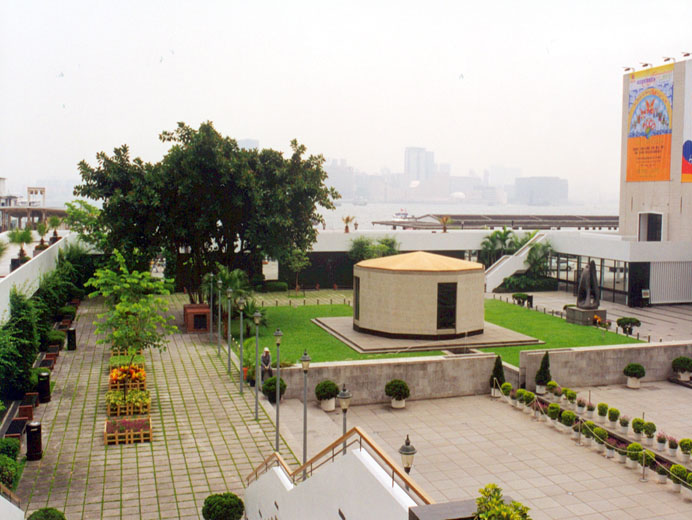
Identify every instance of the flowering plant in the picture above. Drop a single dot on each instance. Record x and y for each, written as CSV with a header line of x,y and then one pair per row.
x,y
125,372
123,425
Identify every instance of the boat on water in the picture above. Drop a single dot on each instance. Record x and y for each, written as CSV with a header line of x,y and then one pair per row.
x,y
403,215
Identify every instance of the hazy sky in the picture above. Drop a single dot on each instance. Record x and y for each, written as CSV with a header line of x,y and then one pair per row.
x,y
533,85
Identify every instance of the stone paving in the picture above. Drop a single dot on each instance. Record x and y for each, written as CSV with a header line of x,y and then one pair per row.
x,y
205,437
467,442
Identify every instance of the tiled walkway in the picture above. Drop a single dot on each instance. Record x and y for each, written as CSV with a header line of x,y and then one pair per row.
x,y
205,437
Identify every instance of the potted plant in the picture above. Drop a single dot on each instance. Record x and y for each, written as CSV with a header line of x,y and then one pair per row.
x,y
621,451
326,392
661,441
661,474
688,488
223,506
529,399
269,389
610,444
543,375
685,449
600,435
613,416
41,229
678,475
54,223
634,372
624,424
506,388
19,237
633,451
682,366
520,398
568,418
672,446
553,413
497,378
541,412
590,407
581,405
587,431
398,391
513,398
627,324
649,431
571,396
550,389
638,428
602,412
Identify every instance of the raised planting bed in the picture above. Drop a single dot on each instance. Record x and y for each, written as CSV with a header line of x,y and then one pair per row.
x,y
47,363
124,352
124,362
136,402
54,350
127,431
16,428
130,385
130,378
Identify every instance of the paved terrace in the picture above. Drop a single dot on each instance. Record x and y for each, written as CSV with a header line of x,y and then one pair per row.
x,y
205,437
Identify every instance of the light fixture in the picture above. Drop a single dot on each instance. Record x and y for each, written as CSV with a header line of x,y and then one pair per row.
x,y
240,303
666,59
305,361
407,452
257,317
277,335
344,398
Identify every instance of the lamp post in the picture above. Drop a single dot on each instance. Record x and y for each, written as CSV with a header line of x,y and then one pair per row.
x,y
344,398
407,451
211,307
229,295
277,335
219,283
257,317
241,306
305,361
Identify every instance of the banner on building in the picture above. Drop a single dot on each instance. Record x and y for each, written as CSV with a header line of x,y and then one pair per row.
x,y
649,125
687,126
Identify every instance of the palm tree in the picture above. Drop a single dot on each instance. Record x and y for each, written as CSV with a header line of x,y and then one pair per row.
x,y
347,220
54,223
20,237
538,260
42,229
445,221
251,308
237,280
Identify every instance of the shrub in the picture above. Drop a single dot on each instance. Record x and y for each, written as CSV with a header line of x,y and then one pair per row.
x,y
520,394
491,504
274,287
649,429
682,364
529,398
397,389
634,370
638,425
8,469
325,390
624,420
602,409
551,385
67,311
613,414
56,337
520,297
498,373
9,447
571,395
522,282
689,478
661,469
269,389
47,513
589,428
506,388
590,406
661,437
568,418
672,442
600,435
553,410
678,473
633,451
647,458
223,506
581,403
685,445
627,324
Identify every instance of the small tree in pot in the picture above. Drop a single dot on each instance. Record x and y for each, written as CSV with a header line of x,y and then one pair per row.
x,y
223,506
634,372
269,389
682,366
543,375
326,392
398,390
497,379
628,324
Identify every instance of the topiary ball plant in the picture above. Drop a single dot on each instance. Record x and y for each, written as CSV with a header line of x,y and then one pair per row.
x,y
47,513
326,389
678,473
506,388
634,370
223,506
397,389
269,389
633,451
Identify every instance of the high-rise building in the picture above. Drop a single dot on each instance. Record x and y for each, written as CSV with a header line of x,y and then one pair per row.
x,y
419,163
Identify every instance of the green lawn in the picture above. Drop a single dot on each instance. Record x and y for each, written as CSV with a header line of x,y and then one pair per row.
x,y
300,333
555,332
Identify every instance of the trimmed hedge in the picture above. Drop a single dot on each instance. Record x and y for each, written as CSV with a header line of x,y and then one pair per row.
x,y
269,389
274,287
8,470
223,506
324,390
47,513
397,389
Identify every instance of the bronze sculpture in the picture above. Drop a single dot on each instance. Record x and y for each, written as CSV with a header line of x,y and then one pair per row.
x,y
587,294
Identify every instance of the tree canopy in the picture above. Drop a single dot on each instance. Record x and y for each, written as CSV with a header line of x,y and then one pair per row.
x,y
208,201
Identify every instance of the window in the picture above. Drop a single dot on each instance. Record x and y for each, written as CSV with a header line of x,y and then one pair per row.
x,y
446,305
356,297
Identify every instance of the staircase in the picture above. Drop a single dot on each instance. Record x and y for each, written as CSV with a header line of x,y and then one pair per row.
x,y
10,506
350,479
509,264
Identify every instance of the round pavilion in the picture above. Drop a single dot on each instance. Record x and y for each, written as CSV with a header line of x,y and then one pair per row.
x,y
418,295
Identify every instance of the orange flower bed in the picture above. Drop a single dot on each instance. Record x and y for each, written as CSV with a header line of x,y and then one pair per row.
x,y
127,377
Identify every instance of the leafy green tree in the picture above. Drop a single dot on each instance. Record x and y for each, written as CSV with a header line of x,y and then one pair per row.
x,y
86,220
15,373
297,261
54,223
363,248
538,260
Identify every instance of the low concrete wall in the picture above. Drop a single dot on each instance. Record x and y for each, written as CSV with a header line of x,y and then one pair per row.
x,y
589,366
427,377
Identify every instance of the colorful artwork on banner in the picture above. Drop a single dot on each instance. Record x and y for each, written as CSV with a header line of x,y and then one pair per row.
x,y
687,127
649,124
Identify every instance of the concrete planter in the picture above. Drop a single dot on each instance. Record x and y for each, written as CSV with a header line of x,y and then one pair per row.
x,y
685,457
540,389
612,424
587,441
495,392
661,446
661,479
624,429
673,452
630,464
581,409
328,405
610,453
649,441
676,487
684,376
589,414
601,419
633,382
637,437
398,403
622,458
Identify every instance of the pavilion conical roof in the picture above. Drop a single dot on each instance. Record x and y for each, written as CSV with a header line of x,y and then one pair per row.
x,y
420,261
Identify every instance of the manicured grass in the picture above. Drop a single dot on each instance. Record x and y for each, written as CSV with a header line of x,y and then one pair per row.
x,y
555,332
300,333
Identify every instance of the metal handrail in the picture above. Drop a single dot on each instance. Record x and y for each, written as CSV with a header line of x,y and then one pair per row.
x,y
329,454
9,495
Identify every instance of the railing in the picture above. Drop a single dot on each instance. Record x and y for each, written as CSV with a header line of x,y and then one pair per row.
x,y
513,263
355,436
9,495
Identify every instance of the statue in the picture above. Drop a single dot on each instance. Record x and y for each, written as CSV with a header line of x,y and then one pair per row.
x,y
587,294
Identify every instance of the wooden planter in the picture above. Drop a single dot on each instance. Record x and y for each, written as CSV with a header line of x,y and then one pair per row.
x,y
130,385
128,409
136,366
126,437
123,352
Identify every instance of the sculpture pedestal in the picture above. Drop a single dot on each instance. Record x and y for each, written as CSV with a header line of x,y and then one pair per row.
x,y
584,316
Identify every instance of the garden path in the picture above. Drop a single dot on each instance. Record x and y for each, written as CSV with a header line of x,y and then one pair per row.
x,y
205,437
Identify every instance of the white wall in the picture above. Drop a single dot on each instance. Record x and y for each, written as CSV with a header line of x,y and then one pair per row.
x,y
9,511
354,484
27,277
409,240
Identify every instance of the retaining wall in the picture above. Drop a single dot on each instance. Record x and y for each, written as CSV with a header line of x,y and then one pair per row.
x,y
592,366
428,377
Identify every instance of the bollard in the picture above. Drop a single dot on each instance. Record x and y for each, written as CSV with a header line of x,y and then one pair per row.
x,y
34,449
637,335
71,339
648,340
44,387
303,302
330,301
276,303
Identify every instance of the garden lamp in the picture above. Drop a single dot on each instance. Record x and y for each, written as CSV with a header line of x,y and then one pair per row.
x,y
229,295
407,452
305,362
257,317
344,398
277,335
241,306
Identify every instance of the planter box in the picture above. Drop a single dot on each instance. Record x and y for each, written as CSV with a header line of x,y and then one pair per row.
x,y
584,316
126,437
130,385
398,403
684,376
123,352
328,405
633,382
128,409
136,366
